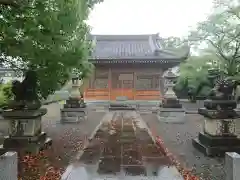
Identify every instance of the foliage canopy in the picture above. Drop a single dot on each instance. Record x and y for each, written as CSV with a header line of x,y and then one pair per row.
x,y
220,34
50,36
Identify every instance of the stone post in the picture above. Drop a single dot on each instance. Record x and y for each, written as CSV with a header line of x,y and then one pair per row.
x,y
232,166
75,108
171,110
9,166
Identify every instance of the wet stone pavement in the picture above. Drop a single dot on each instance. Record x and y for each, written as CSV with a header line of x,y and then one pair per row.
x,y
122,145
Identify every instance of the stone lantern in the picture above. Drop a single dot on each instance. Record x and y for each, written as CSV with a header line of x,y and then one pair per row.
x,y
76,84
170,99
171,110
75,109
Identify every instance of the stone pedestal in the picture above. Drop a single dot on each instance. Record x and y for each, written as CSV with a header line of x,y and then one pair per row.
x,y
218,132
171,115
73,115
171,111
74,103
25,134
73,111
170,102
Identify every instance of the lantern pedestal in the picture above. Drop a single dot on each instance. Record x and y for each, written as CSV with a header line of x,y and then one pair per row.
x,y
25,134
171,115
219,130
74,111
169,102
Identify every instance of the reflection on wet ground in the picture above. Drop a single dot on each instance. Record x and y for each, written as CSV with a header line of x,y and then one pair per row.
x,y
122,145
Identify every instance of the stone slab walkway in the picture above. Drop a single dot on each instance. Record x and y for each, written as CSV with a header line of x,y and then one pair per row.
x,y
122,148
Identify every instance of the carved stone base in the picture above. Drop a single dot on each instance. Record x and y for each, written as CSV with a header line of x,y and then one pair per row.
x,y
74,103
220,133
220,123
213,141
23,122
171,115
220,104
218,114
216,149
73,115
27,144
171,103
24,129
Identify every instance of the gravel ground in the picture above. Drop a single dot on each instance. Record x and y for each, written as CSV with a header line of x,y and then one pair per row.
x,y
178,139
68,139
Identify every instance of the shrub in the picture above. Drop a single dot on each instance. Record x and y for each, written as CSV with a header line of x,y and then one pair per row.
x,y
5,94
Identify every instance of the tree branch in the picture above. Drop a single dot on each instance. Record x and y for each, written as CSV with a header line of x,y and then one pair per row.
x,y
9,3
233,12
218,49
237,49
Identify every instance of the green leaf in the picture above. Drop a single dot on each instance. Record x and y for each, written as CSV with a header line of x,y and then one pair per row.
x,y
50,35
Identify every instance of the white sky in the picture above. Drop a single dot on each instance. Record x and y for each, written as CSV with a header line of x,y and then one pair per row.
x,y
168,17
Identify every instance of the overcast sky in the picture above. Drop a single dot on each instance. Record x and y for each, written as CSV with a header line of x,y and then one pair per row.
x,y
168,17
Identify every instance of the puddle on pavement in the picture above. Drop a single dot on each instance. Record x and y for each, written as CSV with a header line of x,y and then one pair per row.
x,y
122,146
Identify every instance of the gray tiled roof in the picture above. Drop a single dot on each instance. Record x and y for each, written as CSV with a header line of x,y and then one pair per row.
x,y
131,47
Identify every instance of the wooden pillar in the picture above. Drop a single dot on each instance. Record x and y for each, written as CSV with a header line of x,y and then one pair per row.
x,y
109,83
161,83
134,84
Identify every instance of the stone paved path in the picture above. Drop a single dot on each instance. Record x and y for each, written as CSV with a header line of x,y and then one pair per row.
x,y
122,146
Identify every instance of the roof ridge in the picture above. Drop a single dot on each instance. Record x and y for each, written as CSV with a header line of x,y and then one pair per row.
x,y
151,43
121,34
138,37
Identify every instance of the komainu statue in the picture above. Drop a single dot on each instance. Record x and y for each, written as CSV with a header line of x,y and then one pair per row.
x,y
25,92
222,96
223,90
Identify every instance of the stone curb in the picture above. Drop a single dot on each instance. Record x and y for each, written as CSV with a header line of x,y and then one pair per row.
x,y
50,102
191,112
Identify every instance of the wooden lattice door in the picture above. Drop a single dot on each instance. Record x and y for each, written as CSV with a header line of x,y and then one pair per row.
x,y
122,85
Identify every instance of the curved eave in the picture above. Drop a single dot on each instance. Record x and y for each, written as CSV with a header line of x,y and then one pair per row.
x,y
133,61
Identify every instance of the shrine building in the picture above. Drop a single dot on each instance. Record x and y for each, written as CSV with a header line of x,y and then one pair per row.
x,y
130,66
